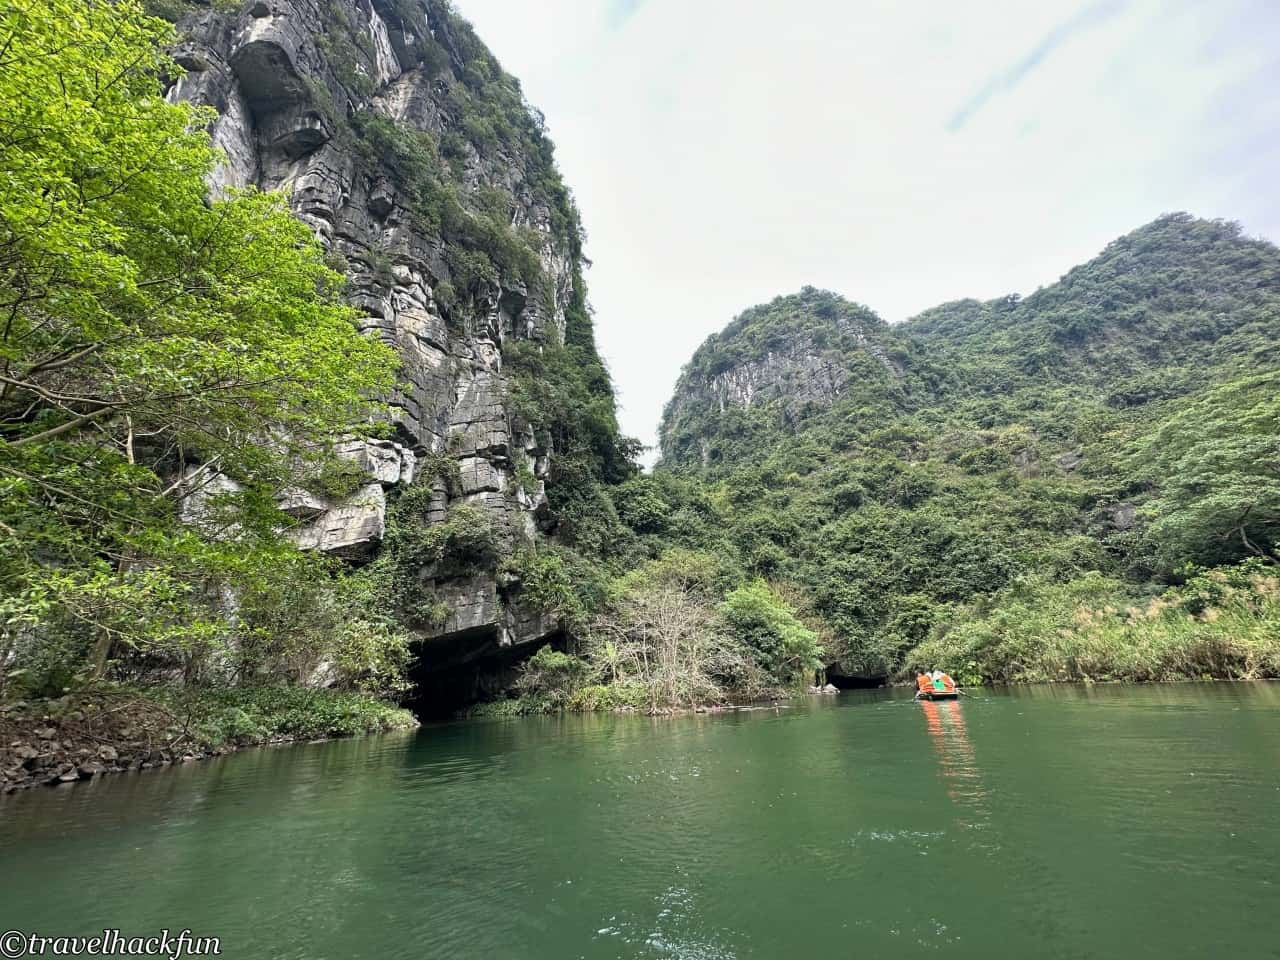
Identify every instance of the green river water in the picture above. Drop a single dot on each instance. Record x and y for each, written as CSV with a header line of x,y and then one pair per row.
x,y
1116,821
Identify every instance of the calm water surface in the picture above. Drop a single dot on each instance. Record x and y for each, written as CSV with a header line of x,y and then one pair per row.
x,y
1046,822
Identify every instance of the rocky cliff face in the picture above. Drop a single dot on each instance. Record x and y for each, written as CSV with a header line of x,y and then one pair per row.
x,y
417,163
777,364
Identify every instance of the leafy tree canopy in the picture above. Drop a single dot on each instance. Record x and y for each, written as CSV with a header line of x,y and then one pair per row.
x,y
151,340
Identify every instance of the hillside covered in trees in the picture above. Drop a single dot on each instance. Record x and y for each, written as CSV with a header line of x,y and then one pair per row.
x,y
1084,483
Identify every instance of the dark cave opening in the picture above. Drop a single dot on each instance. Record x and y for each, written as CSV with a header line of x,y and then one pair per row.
x,y
452,673
844,681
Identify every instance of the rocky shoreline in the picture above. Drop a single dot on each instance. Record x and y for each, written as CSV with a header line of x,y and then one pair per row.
x,y
84,736
43,746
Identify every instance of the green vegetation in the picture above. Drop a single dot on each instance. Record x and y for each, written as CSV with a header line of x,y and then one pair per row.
x,y
996,488
262,714
175,10
168,365
481,245
1224,623
414,547
1217,456
781,643
672,633
123,726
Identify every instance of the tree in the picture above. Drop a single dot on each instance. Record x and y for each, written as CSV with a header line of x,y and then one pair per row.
x,y
660,630
788,649
1218,466
153,343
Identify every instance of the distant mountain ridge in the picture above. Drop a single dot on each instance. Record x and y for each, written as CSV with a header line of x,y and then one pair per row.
x,y
1172,306
1103,437
1179,292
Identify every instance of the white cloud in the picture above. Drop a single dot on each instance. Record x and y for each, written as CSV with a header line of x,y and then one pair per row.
x,y
900,153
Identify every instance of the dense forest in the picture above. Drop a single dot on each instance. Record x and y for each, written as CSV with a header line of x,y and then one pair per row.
x,y
1083,484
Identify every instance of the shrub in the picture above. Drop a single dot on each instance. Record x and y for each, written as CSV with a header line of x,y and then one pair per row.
x,y
260,714
551,676
555,581
1223,623
608,696
784,646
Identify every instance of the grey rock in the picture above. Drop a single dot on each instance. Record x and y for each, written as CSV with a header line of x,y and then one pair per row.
x,y
1122,515
1069,461
472,601
383,460
198,497
352,529
27,754
481,475
800,373
302,504
271,80
382,199
298,134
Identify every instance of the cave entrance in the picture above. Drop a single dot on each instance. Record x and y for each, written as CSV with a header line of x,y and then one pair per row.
x,y
451,673
847,681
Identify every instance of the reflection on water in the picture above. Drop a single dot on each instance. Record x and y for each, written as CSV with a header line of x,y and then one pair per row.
x,y
1120,821
957,762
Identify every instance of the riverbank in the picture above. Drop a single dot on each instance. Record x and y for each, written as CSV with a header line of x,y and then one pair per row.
x,y
113,729
1220,624
623,698
590,700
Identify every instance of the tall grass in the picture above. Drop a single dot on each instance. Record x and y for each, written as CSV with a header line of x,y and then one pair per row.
x,y
1223,623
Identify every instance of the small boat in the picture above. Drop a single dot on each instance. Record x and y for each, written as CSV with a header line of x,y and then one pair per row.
x,y
936,686
938,694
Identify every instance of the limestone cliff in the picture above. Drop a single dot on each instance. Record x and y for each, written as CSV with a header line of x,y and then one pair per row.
x,y
772,367
430,182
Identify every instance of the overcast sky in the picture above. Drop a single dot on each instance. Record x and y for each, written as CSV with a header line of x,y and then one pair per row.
x,y
900,153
